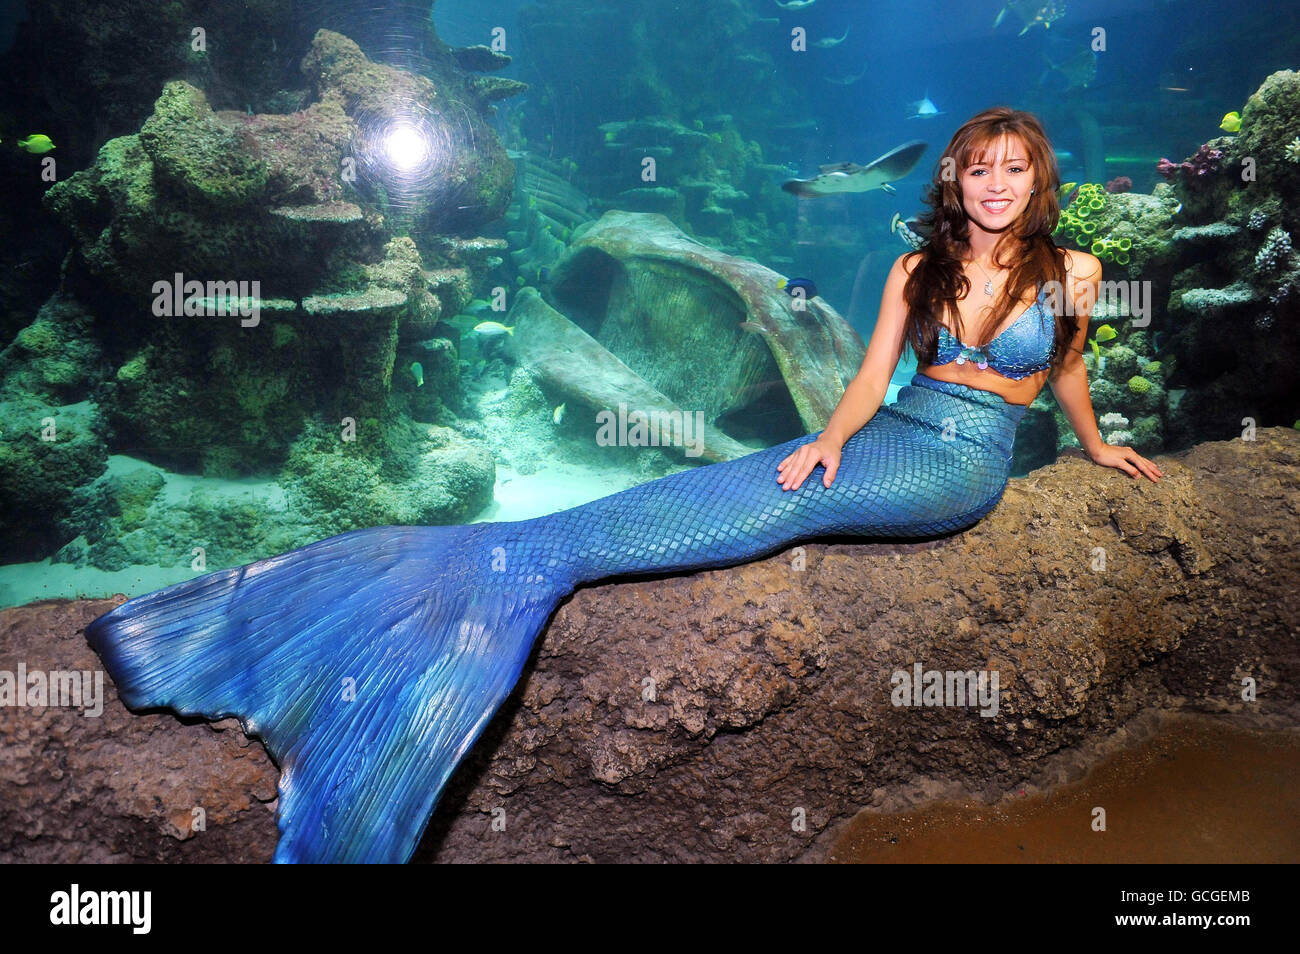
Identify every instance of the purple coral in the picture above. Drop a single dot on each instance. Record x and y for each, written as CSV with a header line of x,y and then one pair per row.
x,y
1207,161
1120,184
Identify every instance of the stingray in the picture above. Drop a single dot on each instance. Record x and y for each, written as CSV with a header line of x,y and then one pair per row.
x,y
851,177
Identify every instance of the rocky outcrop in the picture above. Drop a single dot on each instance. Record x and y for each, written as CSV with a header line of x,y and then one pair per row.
x,y
710,330
700,717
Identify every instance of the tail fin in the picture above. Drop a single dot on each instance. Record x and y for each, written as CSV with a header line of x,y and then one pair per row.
x,y
368,663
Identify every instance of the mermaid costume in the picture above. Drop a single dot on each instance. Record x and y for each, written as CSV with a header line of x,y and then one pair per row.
x,y
371,661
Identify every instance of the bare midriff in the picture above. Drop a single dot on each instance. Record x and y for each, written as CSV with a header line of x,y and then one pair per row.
x,y
1013,391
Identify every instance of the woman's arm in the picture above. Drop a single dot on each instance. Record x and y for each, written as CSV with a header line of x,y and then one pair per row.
x,y
1070,381
864,395
866,392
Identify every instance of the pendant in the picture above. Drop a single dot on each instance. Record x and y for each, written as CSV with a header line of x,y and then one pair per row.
x,y
988,287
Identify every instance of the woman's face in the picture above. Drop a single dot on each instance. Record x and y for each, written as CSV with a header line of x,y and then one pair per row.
x,y
994,192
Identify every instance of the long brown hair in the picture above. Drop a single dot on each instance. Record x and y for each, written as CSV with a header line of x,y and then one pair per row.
x,y
937,280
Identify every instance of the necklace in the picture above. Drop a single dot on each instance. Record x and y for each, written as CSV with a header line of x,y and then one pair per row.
x,y
988,285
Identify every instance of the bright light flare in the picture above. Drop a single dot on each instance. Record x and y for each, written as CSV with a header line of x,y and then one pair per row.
x,y
406,147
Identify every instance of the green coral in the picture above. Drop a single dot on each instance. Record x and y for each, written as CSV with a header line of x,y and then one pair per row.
x,y
1138,384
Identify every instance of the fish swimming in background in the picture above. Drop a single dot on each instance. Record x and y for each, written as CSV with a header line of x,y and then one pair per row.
x,y
1106,333
1078,70
791,286
827,42
491,329
850,177
906,230
1231,122
557,416
36,143
417,371
1066,193
923,108
846,80
1032,13
794,4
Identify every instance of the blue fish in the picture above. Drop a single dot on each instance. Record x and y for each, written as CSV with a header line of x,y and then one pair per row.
x,y
788,285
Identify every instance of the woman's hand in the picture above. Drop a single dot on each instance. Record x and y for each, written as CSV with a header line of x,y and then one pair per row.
x,y
1127,460
799,465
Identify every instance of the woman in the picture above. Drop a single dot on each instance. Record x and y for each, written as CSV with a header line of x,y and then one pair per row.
x,y
370,662
992,223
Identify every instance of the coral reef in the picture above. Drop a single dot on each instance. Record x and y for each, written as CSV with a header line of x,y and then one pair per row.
x,y
252,299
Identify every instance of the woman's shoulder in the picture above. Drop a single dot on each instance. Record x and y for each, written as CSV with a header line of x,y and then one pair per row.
x,y
1082,266
907,262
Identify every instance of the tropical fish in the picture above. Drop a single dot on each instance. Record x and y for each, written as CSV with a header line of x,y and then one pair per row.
x,y
478,306
558,415
1066,193
1106,333
795,4
791,285
905,229
827,42
36,143
1096,352
1032,13
490,329
1231,122
417,370
1078,70
850,177
924,108
846,80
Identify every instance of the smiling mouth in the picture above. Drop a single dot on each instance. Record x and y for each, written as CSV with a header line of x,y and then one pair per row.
x,y
996,205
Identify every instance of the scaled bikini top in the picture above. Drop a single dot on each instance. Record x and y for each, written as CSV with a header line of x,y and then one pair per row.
x,y
1023,348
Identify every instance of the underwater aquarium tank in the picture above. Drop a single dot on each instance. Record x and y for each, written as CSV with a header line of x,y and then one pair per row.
x,y
284,270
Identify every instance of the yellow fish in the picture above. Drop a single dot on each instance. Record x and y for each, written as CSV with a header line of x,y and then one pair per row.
x,y
492,328
1231,122
1106,333
36,143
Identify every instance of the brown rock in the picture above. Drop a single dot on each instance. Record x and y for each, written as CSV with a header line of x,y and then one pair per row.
x,y
700,717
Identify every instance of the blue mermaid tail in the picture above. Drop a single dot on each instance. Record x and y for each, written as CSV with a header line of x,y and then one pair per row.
x,y
370,662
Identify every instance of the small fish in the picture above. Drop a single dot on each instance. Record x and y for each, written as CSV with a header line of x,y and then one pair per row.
x,y
1032,13
490,329
36,143
1066,193
790,285
478,306
543,275
850,177
828,42
417,370
795,4
1096,352
558,415
1231,122
924,109
904,230
1106,333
